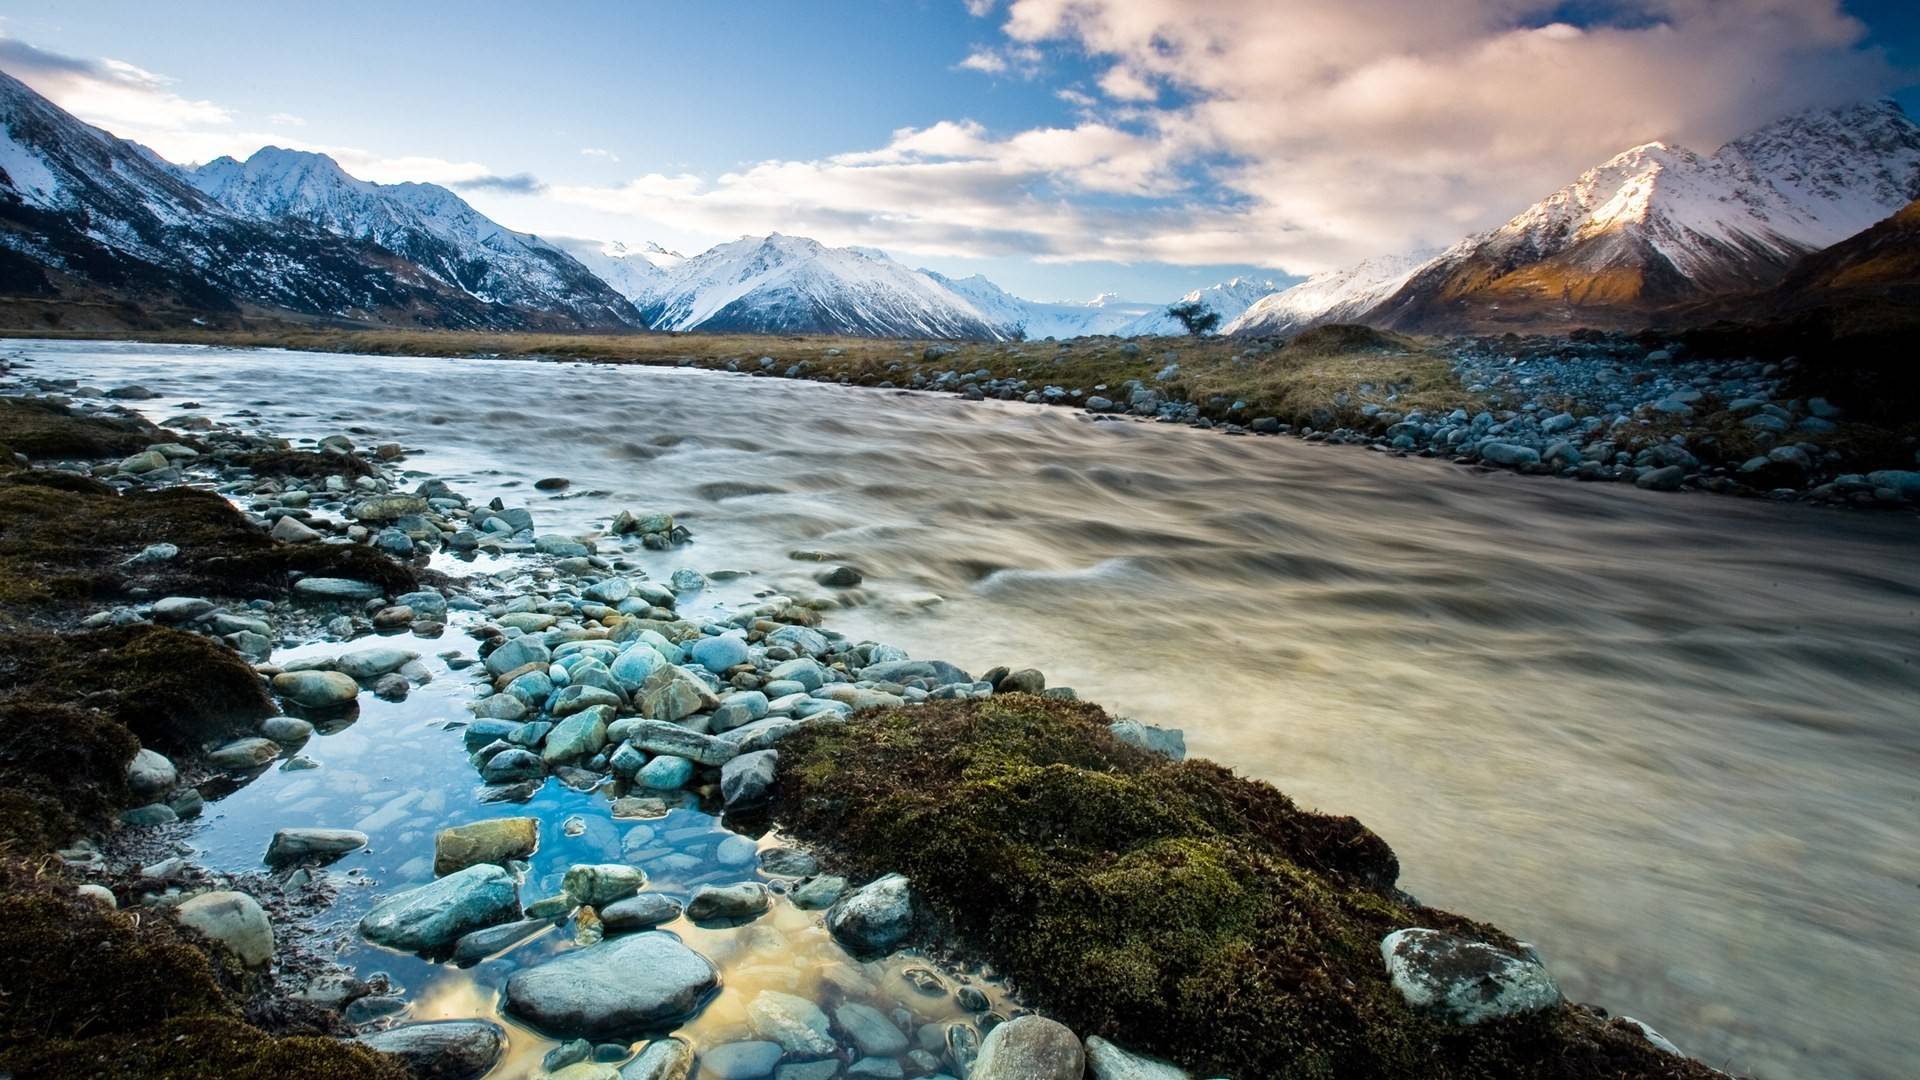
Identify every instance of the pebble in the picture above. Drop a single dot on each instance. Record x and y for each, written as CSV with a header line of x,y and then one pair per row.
x,y
1462,981
726,903
623,987
316,689
290,846
454,1049
432,917
1030,1048
233,919
875,917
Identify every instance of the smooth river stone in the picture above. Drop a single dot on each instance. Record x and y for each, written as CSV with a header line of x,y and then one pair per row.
x,y
446,1049
324,845
494,840
430,918
316,689
622,988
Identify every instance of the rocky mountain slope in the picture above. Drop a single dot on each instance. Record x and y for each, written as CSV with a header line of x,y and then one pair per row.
x,y
1331,297
424,223
88,219
1652,227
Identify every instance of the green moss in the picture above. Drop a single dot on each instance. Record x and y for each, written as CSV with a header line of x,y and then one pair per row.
x,y
1174,907
305,464
152,1002
40,428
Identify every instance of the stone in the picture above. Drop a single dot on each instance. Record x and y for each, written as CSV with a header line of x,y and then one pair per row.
x,y
1668,478
642,912
937,672
580,735
602,883
99,894
233,919
725,903
366,664
495,840
816,1070
620,988
180,609
875,917
337,589
673,694
1512,455
816,893
430,918
442,1049
870,1029
1167,742
579,697
719,654
381,509
667,772
840,577
1109,1062
312,845
860,697
1463,981
316,689
286,729
787,862
660,737
477,945
806,641
798,1025
804,670
145,461
1030,1048
149,815
515,654
1024,681
243,754
513,765
739,709
585,1070
634,666
740,1060
747,780
150,773
663,1059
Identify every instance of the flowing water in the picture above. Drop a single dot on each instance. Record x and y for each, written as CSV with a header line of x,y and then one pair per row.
x,y
1671,739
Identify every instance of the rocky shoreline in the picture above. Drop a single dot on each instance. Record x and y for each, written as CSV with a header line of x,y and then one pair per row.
x,y
588,675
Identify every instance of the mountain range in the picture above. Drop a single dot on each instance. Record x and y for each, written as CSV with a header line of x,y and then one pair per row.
x,y
89,221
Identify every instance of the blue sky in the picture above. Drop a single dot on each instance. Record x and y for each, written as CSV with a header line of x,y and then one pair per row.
x,y
1145,147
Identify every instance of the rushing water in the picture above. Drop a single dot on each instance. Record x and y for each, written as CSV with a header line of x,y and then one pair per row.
x,y
1671,739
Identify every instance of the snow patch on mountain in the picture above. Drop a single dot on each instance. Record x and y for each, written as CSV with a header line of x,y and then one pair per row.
x,y
1229,299
1328,297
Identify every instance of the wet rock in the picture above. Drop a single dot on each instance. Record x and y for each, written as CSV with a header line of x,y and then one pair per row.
x,y
661,737
512,766
840,577
726,903
180,609
665,773
495,840
442,1049
719,654
1030,1048
746,780
429,919
290,846
740,1061
149,815
937,672
787,862
673,694
874,918
620,988
820,892
739,709
1109,1062
813,1070
1463,981
287,730
316,689
580,735
663,1059
1167,742
337,589
233,919
517,653
870,1029
642,912
243,754
1667,478
795,1023
1511,455
1024,681
634,666
150,773
387,508
394,687
478,945
603,883
368,664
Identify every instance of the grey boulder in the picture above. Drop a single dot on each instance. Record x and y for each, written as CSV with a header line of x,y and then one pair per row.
x,y
442,1049
430,918
1464,981
618,989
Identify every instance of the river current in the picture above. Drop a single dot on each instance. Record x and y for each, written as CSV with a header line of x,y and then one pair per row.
x,y
1673,740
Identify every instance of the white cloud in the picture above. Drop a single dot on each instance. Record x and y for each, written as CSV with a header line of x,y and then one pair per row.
x,y
984,60
287,120
597,152
981,8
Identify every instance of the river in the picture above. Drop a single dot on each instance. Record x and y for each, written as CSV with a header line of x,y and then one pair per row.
x,y
1673,740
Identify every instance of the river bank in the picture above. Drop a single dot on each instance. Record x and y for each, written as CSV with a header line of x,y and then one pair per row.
x,y
1594,407
570,613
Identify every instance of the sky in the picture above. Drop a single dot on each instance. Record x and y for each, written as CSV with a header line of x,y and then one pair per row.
x,y
1062,147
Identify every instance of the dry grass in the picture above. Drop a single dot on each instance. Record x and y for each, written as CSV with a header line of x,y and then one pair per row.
x,y
1327,372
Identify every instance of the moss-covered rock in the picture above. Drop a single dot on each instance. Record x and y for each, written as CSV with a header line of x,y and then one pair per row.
x,y
40,428
154,1003
1173,907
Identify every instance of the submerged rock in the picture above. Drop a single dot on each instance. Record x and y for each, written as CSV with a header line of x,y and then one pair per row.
x,y
642,912
494,840
1109,1062
316,689
429,919
603,883
618,989
442,1049
718,903
663,1059
796,1024
1463,981
320,845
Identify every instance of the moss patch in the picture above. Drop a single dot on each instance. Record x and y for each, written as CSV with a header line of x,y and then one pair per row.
x,y
152,1003
1173,907
65,541
40,428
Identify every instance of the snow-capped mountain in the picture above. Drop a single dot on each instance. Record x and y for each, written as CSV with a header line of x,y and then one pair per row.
x,y
1229,299
424,223
1330,297
1033,320
87,216
1659,224
790,284
633,272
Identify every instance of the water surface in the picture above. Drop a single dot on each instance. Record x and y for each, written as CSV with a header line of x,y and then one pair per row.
x,y
1671,739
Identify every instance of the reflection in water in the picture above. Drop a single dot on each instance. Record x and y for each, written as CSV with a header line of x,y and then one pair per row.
x,y
1670,739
